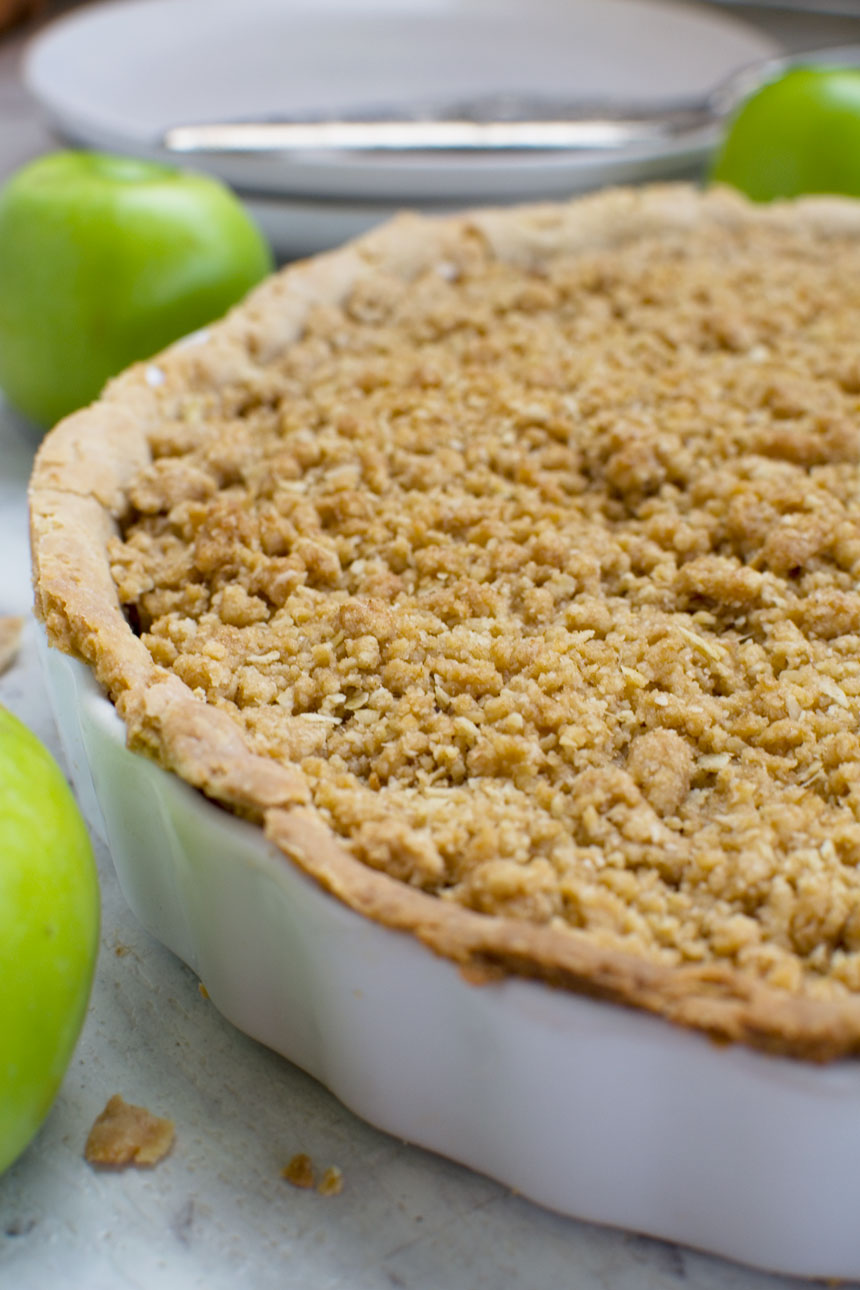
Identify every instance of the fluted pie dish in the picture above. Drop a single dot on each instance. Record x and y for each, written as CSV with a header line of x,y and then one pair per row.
x,y
478,604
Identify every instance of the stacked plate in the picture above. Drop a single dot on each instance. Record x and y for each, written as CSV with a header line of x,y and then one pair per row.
x,y
117,75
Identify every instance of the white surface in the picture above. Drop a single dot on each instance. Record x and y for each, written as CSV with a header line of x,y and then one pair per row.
x,y
107,77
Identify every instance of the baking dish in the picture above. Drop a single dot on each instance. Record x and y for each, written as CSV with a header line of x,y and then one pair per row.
x,y
589,1108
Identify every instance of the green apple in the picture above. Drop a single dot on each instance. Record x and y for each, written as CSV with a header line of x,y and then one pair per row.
x,y
49,923
105,260
800,133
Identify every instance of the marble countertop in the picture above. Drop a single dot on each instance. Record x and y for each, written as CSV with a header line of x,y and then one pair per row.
x,y
217,1213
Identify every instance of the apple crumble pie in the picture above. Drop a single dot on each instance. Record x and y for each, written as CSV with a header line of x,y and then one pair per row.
x,y
506,570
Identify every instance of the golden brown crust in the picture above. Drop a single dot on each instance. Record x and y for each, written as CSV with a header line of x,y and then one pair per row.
x,y
205,748
79,496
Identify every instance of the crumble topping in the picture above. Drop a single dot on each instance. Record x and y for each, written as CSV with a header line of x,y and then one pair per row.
x,y
547,580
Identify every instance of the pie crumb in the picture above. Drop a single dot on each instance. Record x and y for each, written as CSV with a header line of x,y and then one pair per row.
x,y
10,640
15,11
299,1171
128,1135
331,1183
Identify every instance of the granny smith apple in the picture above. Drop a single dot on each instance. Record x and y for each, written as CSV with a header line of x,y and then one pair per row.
x,y
49,922
104,260
799,133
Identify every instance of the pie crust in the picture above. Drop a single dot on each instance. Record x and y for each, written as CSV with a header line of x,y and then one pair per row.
x,y
567,497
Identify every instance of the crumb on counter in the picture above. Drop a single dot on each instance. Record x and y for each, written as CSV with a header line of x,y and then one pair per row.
x,y
126,1135
10,640
299,1171
547,579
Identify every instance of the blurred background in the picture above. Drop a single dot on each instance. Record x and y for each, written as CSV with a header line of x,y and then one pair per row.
x,y
100,74
794,24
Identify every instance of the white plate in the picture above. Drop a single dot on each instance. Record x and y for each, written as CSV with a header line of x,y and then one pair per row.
x,y
591,1109
116,75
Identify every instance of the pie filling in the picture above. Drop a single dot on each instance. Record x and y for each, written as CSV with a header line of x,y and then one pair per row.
x,y
547,579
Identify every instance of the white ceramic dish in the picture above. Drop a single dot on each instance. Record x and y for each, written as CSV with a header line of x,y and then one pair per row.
x,y
116,75
593,1110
